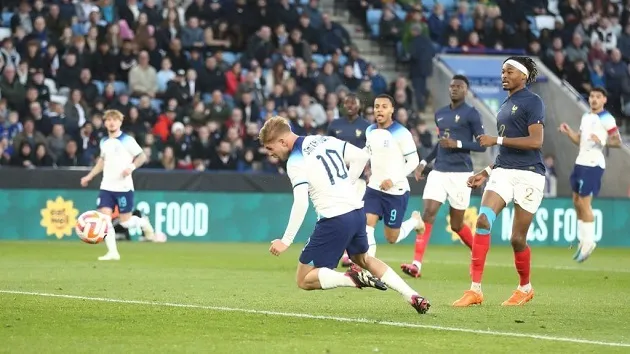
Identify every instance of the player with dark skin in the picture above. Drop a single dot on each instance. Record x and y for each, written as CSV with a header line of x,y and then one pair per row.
x,y
517,175
457,91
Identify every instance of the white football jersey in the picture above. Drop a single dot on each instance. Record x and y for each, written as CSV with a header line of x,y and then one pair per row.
x,y
117,154
591,153
319,162
388,149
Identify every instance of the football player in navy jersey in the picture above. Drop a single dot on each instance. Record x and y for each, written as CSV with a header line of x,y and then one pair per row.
x,y
458,124
517,175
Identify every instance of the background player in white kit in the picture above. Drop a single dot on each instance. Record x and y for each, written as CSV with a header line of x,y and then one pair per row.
x,y
120,156
316,166
597,129
393,156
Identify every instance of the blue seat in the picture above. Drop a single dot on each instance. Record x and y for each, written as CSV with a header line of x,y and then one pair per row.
x,y
230,57
100,86
319,59
401,14
6,19
343,60
375,30
373,16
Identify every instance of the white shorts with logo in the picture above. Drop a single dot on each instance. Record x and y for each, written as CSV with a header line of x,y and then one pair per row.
x,y
525,188
451,186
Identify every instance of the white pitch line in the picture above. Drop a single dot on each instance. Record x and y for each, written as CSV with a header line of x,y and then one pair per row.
x,y
511,265
321,317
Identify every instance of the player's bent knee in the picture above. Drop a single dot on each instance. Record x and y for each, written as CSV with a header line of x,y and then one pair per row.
x,y
485,220
456,225
519,242
372,219
391,235
360,259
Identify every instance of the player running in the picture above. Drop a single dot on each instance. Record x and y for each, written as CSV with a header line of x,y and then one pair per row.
x,y
316,166
518,175
458,125
351,129
597,129
120,156
393,156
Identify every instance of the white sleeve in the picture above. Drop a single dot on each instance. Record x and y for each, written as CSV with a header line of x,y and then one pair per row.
x,y
609,124
355,158
299,180
132,146
410,152
100,146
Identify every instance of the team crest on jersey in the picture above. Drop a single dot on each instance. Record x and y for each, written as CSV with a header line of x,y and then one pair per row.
x,y
457,118
358,133
386,143
514,108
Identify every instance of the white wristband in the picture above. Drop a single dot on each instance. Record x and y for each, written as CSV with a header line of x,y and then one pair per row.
x,y
488,170
459,144
423,163
500,140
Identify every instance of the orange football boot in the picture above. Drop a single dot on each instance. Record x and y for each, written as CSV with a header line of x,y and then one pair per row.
x,y
519,298
470,298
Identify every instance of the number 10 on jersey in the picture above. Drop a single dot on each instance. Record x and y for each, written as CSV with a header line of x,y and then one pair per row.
x,y
333,159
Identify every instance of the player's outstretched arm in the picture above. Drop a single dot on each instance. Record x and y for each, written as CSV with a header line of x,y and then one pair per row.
x,y
412,161
614,140
355,158
98,168
298,212
572,134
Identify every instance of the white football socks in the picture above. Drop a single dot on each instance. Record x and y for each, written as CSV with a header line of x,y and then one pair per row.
x,y
475,287
406,228
587,232
329,279
371,241
525,288
110,239
394,281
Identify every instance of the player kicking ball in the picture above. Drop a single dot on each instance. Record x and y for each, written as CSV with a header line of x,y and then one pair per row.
x,y
518,175
458,125
597,129
120,156
393,157
316,166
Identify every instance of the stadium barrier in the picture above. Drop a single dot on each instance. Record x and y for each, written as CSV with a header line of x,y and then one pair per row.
x,y
191,207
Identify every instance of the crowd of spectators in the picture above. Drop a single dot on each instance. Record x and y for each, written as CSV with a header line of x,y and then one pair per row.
x,y
195,79
585,42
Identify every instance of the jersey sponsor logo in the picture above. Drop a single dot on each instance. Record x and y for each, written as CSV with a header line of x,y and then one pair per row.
x,y
59,217
439,119
514,109
358,133
338,131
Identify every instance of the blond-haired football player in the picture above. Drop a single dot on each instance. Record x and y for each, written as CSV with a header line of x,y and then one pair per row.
x,y
317,167
120,156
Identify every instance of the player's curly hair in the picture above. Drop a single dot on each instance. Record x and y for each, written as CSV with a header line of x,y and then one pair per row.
x,y
530,64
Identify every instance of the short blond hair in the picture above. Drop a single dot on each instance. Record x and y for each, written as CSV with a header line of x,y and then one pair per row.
x,y
274,127
112,113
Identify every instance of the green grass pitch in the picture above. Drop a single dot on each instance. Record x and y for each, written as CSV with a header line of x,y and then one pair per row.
x,y
55,297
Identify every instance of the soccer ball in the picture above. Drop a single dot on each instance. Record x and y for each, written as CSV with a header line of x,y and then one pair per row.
x,y
91,227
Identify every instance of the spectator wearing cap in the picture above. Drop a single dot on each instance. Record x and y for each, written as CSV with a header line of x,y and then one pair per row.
x,y
178,89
